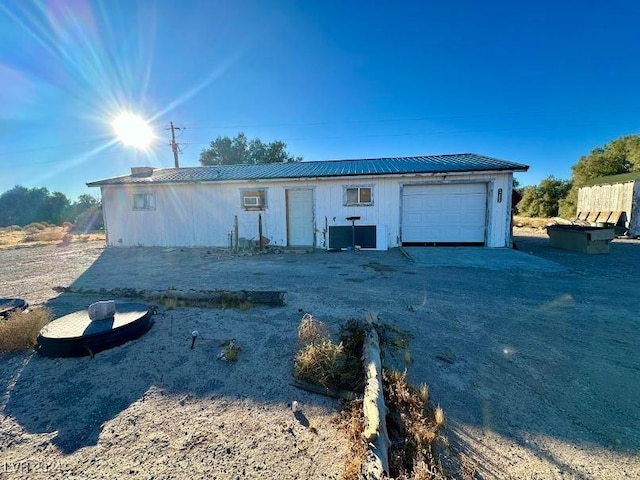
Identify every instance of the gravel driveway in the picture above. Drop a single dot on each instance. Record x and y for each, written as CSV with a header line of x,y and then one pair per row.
x,y
535,360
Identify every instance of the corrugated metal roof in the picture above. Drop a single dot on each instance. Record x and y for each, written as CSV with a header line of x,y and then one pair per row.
x,y
465,162
621,178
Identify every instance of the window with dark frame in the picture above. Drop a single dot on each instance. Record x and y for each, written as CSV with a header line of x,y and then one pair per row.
x,y
253,199
358,195
144,201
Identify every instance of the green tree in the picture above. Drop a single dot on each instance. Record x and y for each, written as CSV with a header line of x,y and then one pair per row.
x,y
82,204
21,206
618,156
543,200
239,151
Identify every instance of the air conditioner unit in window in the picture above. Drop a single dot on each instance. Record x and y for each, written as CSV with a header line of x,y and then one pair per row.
x,y
252,201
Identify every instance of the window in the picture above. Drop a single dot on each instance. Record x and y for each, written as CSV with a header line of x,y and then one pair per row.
x,y
254,199
360,195
144,201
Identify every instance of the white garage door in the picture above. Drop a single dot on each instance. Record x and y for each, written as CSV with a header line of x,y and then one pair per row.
x,y
451,213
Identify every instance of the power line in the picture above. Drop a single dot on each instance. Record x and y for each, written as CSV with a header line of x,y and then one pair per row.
x,y
178,148
407,119
440,132
49,147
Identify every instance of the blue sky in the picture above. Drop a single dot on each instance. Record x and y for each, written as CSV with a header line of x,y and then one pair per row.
x,y
540,83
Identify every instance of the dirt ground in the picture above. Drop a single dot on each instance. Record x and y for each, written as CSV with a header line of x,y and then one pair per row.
x,y
537,369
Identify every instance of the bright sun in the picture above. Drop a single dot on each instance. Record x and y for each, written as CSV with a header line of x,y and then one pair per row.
x,y
132,130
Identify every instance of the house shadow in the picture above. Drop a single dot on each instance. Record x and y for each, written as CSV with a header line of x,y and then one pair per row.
x,y
73,399
537,355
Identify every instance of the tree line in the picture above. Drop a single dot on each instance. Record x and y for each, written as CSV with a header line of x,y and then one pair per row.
x,y
22,206
557,197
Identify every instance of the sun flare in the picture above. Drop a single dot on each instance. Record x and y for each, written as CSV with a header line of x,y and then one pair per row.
x,y
132,130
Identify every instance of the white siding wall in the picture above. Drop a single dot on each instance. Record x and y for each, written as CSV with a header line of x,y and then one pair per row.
x,y
618,197
603,198
202,214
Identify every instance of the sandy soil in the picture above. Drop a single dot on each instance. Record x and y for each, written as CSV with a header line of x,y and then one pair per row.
x,y
540,378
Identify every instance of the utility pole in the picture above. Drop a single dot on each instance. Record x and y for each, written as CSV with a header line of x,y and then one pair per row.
x,y
173,144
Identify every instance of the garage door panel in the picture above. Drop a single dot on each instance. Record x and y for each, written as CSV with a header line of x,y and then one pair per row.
x,y
451,213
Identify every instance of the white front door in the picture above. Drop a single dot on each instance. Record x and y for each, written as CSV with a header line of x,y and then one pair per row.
x,y
300,218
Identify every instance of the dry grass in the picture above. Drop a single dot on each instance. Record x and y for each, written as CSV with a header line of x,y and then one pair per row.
x,y
351,420
323,362
230,300
319,363
20,330
424,392
413,428
230,351
311,331
48,235
170,303
42,234
438,415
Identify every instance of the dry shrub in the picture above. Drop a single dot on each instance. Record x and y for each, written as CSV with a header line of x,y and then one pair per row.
x,y
170,303
412,427
50,235
319,363
20,330
34,227
351,420
230,351
311,331
438,416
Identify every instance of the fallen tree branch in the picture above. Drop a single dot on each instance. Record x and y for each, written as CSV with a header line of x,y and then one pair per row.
x,y
376,464
220,297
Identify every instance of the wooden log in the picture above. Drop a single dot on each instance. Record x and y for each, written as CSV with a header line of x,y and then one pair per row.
x,y
275,298
374,408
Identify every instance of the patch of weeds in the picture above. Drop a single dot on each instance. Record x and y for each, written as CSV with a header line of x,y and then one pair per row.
x,y
170,303
170,299
20,330
379,267
311,330
323,362
230,350
413,428
229,300
319,363
351,421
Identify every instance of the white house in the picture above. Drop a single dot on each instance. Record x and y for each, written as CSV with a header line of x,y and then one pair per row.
x,y
428,200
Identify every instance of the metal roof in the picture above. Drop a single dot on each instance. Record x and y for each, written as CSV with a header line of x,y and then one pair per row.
x,y
465,162
620,178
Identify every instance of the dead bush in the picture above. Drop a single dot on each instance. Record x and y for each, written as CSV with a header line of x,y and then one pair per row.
x,y
50,235
34,227
20,330
319,363
311,331
351,420
413,426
